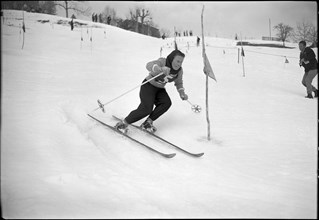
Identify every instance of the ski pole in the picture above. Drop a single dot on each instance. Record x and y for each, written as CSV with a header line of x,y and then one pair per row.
x,y
101,106
195,108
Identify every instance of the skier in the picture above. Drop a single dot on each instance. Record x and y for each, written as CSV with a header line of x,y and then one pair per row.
x,y
309,62
154,93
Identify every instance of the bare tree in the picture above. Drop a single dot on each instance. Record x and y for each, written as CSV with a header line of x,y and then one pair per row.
x,y
76,6
313,36
48,7
306,31
284,31
144,14
134,17
302,31
141,14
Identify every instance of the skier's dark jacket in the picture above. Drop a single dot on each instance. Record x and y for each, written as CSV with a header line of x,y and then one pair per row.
x,y
309,55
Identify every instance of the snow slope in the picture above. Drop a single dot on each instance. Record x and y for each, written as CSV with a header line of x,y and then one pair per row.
x,y
58,163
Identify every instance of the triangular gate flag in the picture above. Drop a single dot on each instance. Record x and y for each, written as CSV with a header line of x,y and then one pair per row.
x,y
207,68
286,61
242,52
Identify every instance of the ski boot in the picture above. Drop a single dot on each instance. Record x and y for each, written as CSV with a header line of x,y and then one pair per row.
x,y
316,93
122,126
309,96
148,126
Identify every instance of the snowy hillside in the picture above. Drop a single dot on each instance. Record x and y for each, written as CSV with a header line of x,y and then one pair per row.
x,y
58,163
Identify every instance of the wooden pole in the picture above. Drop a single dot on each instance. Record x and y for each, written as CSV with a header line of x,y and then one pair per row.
x,y
242,57
203,45
23,28
81,39
269,29
91,39
20,32
175,43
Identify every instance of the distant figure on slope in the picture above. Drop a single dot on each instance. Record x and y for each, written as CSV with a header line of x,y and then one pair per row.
x,y
198,41
154,92
93,17
72,24
309,62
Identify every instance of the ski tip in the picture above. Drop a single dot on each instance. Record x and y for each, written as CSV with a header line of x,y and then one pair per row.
x,y
170,155
199,155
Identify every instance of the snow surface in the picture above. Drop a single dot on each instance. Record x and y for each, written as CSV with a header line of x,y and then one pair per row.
x,y
58,163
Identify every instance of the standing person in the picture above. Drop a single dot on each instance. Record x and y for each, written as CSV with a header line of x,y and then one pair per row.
x,y
93,17
198,40
100,18
154,92
72,24
309,62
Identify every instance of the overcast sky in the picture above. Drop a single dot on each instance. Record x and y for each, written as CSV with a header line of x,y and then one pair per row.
x,y
222,19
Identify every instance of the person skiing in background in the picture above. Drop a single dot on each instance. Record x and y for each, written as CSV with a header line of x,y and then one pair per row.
x,y
309,62
154,92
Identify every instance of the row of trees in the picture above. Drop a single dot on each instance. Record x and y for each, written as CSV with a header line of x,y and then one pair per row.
x,y
140,20
47,7
305,31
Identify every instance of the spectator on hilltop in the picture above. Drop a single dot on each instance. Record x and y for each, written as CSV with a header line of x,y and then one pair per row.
x,y
100,18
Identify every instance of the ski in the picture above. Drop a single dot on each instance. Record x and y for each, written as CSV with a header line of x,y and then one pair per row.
x,y
164,140
133,139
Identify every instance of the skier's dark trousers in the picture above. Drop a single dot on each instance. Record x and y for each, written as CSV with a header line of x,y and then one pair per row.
x,y
150,96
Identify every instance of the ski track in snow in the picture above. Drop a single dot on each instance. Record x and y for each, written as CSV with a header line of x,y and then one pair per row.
x,y
58,163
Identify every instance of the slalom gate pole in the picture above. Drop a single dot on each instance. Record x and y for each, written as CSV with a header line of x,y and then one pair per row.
x,y
101,106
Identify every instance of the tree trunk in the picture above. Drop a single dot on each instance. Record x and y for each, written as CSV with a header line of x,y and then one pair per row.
x,y
207,111
136,28
66,9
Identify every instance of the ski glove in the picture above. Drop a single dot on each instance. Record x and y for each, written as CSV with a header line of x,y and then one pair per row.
x,y
166,70
156,69
303,61
183,95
